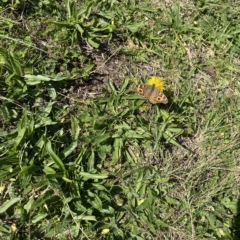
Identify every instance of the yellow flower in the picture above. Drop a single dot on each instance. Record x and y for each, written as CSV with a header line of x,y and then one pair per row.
x,y
105,231
13,227
157,81
2,189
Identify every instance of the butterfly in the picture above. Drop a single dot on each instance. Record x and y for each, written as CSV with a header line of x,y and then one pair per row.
x,y
151,93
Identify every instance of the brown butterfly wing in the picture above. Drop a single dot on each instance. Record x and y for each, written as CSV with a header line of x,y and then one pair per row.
x,y
141,90
159,97
151,93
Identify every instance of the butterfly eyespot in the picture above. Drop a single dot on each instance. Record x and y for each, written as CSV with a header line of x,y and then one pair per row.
x,y
151,93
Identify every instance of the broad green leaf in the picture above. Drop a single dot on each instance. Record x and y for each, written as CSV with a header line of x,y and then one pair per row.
x,y
110,210
103,150
171,200
67,151
99,187
47,110
54,156
170,138
28,170
118,233
37,79
162,180
161,223
90,163
39,217
175,130
94,42
79,28
93,176
38,147
117,146
44,121
15,64
96,202
230,204
86,218
67,200
75,129
5,230
124,85
87,68
29,204
112,87
139,180
48,170
212,220
164,113
22,128
51,91
100,139
135,135
6,205
135,27
66,179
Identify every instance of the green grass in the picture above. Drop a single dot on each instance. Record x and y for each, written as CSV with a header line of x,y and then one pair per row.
x,y
82,156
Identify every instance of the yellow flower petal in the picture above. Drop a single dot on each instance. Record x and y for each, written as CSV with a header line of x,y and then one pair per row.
x,y
2,189
157,81
13,227
105,231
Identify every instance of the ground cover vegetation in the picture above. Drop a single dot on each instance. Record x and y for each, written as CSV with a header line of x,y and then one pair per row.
x,y
84,157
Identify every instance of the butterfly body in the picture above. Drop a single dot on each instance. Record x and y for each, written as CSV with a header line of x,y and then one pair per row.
x,y
151,93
